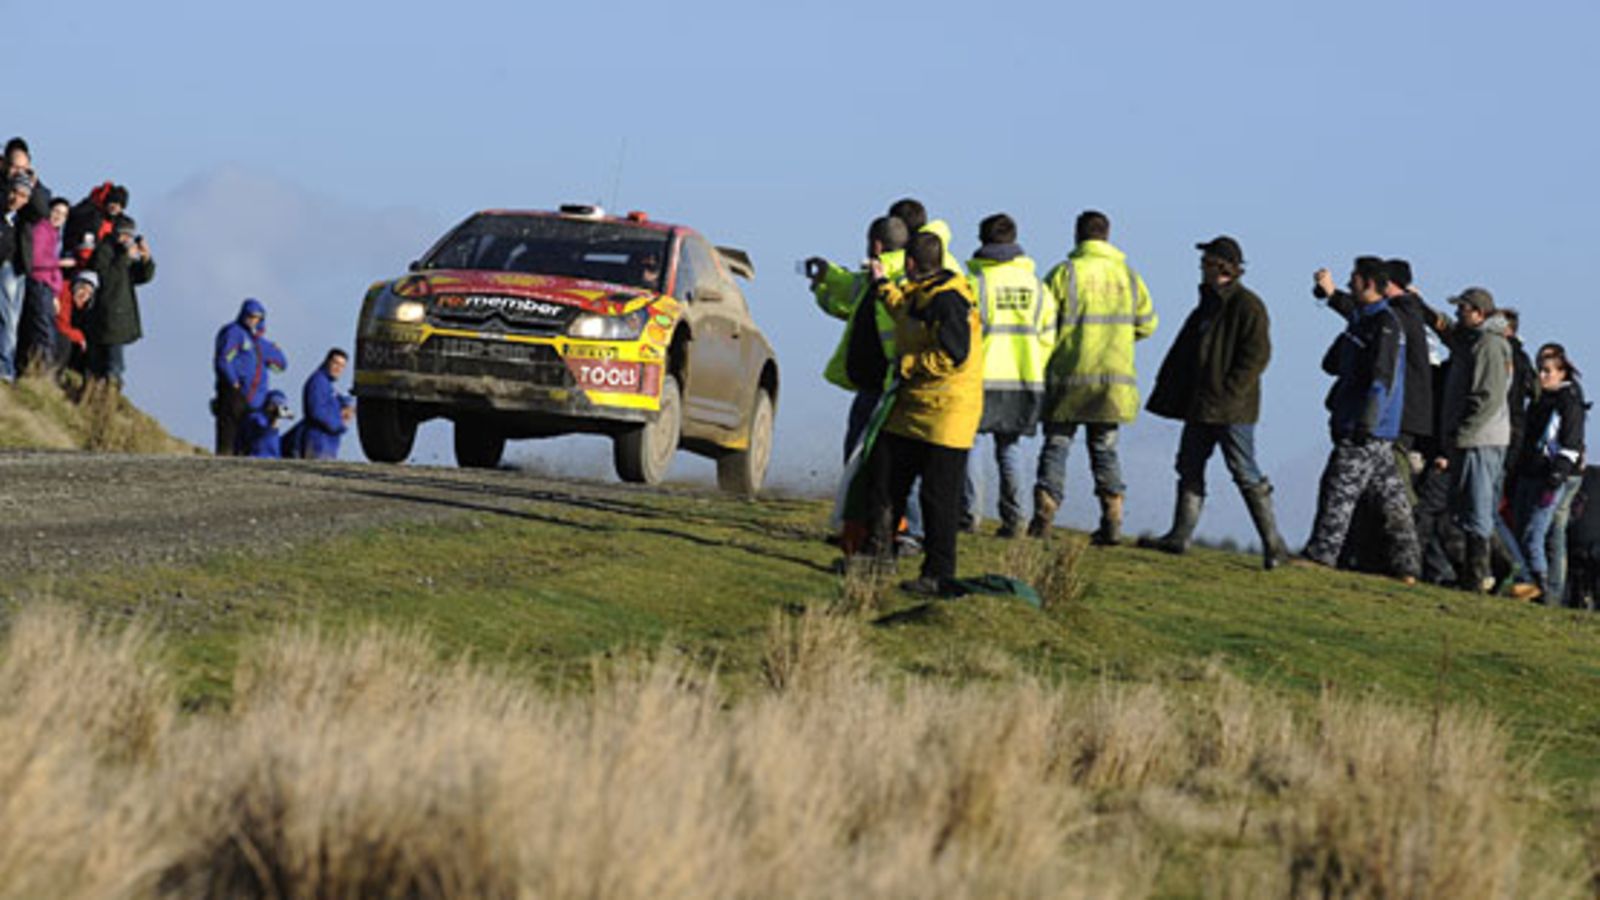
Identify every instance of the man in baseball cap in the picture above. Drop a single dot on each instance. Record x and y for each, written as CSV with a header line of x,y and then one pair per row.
x,y
1475,425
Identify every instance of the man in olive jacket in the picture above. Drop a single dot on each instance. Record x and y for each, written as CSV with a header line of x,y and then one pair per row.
x,y
1211,380
122,263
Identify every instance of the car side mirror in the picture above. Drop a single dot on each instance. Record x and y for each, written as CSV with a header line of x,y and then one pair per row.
x,y
706,294
414,266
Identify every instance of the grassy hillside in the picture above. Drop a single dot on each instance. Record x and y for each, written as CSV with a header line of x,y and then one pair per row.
x,y
562,592
37,413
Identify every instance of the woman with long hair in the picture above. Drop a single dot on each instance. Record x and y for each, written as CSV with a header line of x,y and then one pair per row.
x,y
1550,471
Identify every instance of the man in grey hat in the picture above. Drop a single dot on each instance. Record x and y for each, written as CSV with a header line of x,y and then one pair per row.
x,y
1475,426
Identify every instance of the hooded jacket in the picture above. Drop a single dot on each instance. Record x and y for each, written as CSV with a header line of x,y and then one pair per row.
x,y
839,294
940,367
258,433
1017,314
323,424
1212,374
1553,449
1474,410
243,359
1104,308
1368,399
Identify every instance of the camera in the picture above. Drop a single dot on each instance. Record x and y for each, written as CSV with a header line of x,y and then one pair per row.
x,y
811,268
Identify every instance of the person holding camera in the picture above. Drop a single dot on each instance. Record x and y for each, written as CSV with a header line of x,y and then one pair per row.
x,y
934,417
122,264
17,217
258,434
1211,381
1365,413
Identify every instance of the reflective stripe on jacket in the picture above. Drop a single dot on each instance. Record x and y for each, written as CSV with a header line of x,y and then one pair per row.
x,y
1018,317
1104,308
837,295
940,399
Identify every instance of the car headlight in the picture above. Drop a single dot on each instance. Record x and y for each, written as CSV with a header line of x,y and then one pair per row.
x,y
397,309
590,326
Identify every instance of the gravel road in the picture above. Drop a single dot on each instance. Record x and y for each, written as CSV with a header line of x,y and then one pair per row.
x,y
71,511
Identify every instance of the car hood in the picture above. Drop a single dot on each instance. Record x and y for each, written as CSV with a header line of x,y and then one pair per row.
x,y
590,296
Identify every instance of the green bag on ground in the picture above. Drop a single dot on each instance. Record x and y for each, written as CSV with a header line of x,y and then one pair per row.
x,y
1000,586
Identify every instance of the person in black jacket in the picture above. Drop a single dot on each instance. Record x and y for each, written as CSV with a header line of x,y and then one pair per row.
x,y
16,249
1211,380
1549,472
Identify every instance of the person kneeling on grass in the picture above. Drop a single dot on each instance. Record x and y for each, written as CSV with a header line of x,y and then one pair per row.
x,y
935,412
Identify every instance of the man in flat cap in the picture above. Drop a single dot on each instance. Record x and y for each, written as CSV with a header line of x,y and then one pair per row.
x,y
1211,381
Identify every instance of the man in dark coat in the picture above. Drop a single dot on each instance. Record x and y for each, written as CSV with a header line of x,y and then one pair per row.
x,y
123,264
17,216
1211,380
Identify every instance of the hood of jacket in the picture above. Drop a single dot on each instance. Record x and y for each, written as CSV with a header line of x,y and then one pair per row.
x,y
252,307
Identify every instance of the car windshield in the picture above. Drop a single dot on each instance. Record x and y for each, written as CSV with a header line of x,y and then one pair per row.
x,y
549,245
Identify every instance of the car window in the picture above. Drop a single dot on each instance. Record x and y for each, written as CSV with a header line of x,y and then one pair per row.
x,y
549,245
696,268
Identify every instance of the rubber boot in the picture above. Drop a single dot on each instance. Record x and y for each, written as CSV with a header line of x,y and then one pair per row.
x,y
1476,572
1185,516
1258,499
1109,534
1044,512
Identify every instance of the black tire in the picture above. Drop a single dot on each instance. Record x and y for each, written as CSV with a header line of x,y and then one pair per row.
x,y
744,471
387,429
643,454
478,446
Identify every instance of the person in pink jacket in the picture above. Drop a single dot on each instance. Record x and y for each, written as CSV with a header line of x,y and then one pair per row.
x,y
36,341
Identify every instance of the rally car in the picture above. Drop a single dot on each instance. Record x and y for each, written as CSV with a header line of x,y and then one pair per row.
x,y
521,324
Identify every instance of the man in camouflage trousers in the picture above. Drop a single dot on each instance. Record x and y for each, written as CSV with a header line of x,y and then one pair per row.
x,y
1365,415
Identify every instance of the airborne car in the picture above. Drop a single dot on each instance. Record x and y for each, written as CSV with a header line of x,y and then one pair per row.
x,y
521,324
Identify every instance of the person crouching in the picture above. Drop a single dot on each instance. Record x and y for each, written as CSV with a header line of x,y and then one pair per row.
x,y
934,417
258,433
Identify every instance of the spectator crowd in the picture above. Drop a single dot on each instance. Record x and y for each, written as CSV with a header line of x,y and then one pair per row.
x,y
69,307
1455,458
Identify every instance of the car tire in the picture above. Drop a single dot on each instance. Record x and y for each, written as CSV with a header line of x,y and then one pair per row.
x,y
478,446
387,429
744,471
643,454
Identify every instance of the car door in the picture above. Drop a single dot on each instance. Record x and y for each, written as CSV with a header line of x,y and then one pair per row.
x,y
711,395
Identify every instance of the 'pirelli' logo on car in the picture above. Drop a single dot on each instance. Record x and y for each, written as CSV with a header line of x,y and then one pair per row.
x,y
517,306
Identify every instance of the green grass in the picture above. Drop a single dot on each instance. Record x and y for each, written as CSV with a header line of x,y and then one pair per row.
x,y
545,591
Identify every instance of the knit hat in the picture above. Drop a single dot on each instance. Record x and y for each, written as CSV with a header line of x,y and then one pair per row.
x,y
118,194
89,278
1223,248
126,225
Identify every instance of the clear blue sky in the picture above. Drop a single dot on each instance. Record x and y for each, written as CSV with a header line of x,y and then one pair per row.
x,y
296,151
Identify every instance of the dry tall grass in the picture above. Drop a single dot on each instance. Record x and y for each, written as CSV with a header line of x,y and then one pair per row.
x,y
38,413
364,767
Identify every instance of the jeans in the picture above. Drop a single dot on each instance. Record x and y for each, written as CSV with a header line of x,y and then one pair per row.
x,y
1008,457
1475,488
105,361
1238,444
861,409
1556,543
12,289
1052,476
1536,526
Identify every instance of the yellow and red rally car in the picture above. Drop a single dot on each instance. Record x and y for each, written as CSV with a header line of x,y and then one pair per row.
x,y
521,324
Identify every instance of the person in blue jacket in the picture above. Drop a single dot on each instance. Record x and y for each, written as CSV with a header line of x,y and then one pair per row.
x,y
242,361
328,412
258,433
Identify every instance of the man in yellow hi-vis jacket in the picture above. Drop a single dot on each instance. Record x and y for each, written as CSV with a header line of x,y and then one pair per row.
x,y
1091,380
935,412
1018,316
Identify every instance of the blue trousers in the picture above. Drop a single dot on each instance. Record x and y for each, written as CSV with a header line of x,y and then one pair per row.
x,y
1103,461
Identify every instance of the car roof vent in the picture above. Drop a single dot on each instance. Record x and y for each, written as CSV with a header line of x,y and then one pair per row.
x,y
583,210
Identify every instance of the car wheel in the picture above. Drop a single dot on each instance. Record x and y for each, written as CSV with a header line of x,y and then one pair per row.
x,y
644,453
478,446
387,429
743,472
